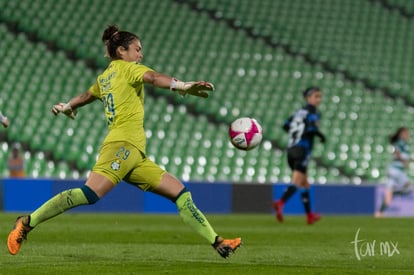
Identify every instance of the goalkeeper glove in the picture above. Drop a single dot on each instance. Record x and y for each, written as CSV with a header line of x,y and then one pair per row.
x,y
195,88
64,108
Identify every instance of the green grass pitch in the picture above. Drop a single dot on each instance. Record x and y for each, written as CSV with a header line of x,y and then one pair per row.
x,y
162,244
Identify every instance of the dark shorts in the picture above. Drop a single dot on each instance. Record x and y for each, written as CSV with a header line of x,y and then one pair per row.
x,y
298,158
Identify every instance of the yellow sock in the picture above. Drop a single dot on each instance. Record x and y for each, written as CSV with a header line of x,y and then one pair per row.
x,y
193,217
57,205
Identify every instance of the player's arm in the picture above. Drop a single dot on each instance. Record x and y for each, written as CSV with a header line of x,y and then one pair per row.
x,y
314,129
286,125
70,109
81,100
195,88
321,136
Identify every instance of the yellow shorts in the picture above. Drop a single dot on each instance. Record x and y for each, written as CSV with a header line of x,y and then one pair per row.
x,y
121,160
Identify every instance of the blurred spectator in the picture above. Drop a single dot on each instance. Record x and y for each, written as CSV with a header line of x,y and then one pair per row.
x,y
16,162
4,120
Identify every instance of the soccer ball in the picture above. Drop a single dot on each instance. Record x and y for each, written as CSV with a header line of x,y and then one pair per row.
x,y
245,133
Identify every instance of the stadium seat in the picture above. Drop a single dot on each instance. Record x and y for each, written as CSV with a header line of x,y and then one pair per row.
x,y
252,78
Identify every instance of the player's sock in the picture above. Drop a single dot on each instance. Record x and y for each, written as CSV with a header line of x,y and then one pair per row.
x,y
306,200
193,217
288,193
61,202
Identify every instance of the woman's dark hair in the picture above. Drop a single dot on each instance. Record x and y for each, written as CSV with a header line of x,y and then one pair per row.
x,y
310,91
394,137
113,38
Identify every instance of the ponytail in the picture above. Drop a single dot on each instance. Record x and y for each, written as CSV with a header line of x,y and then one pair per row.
x,y
114,38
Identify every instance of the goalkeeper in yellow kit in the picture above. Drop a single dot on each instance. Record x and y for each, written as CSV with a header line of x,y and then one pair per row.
x,y
122,155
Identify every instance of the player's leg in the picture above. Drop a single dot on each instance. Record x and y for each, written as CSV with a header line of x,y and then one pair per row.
x,y
295,157
150,177
302,182
403,186
300,179
311,217
394,177
386,201
95,188
100,182
109,169
4,120
171,188
297,180
88,194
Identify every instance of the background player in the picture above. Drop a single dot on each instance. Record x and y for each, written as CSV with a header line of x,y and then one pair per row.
x,y
123,155
302,126
397,170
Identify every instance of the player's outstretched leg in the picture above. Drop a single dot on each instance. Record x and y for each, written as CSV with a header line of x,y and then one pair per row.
x,y
56,205
18,234
193,217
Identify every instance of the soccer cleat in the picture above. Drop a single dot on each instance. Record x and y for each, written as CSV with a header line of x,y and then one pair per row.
x,y
5,122
278,207
313,217
224,247
18,234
